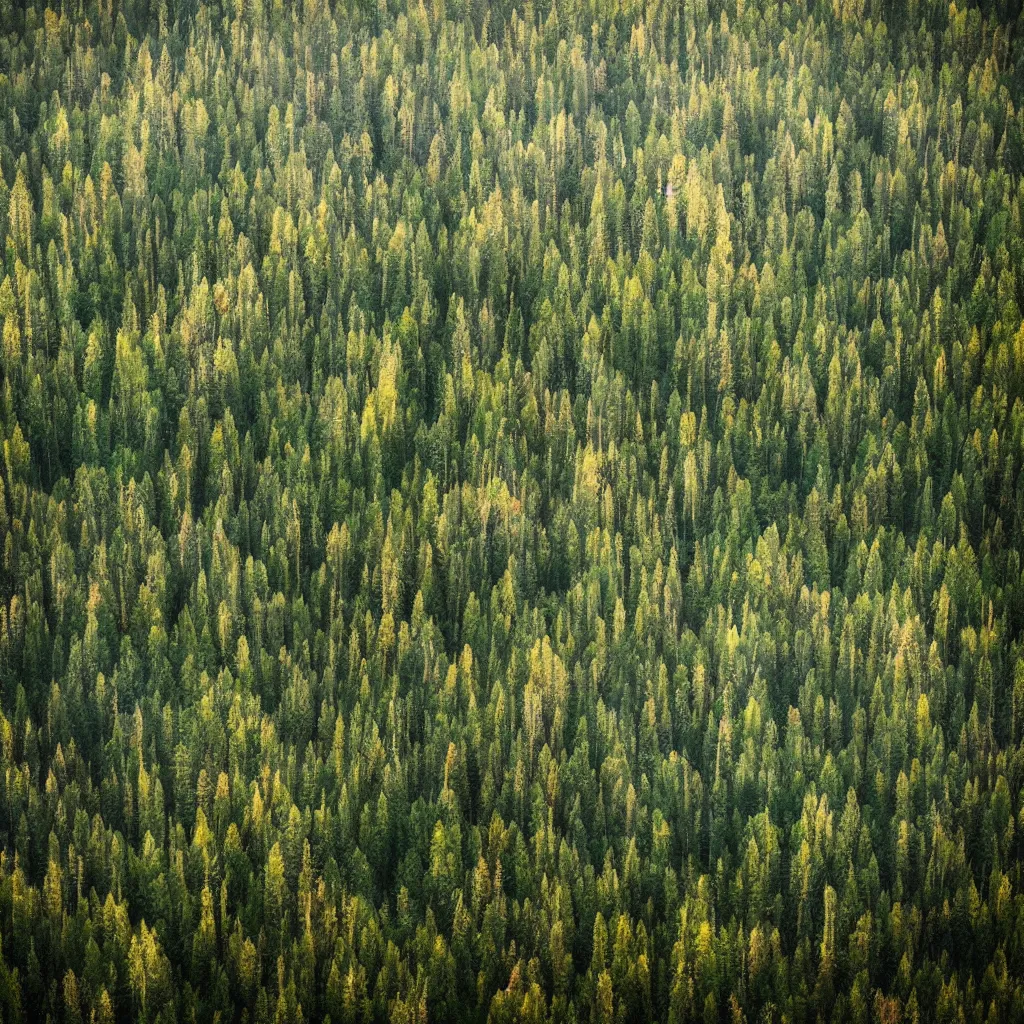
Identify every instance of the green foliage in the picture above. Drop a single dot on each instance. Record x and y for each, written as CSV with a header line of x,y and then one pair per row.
x,y
511,513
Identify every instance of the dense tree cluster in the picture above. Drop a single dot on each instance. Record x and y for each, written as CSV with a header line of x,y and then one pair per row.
x,y
511,512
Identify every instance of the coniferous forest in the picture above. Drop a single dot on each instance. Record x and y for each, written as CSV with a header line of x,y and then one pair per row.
x,y
511,511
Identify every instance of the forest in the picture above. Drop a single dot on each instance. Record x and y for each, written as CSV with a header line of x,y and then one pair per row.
x,y
511,511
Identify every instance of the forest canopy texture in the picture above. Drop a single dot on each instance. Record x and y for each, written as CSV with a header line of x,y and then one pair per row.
x,y
511,511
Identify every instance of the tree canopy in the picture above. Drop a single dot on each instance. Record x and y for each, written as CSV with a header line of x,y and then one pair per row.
x,y
511,511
